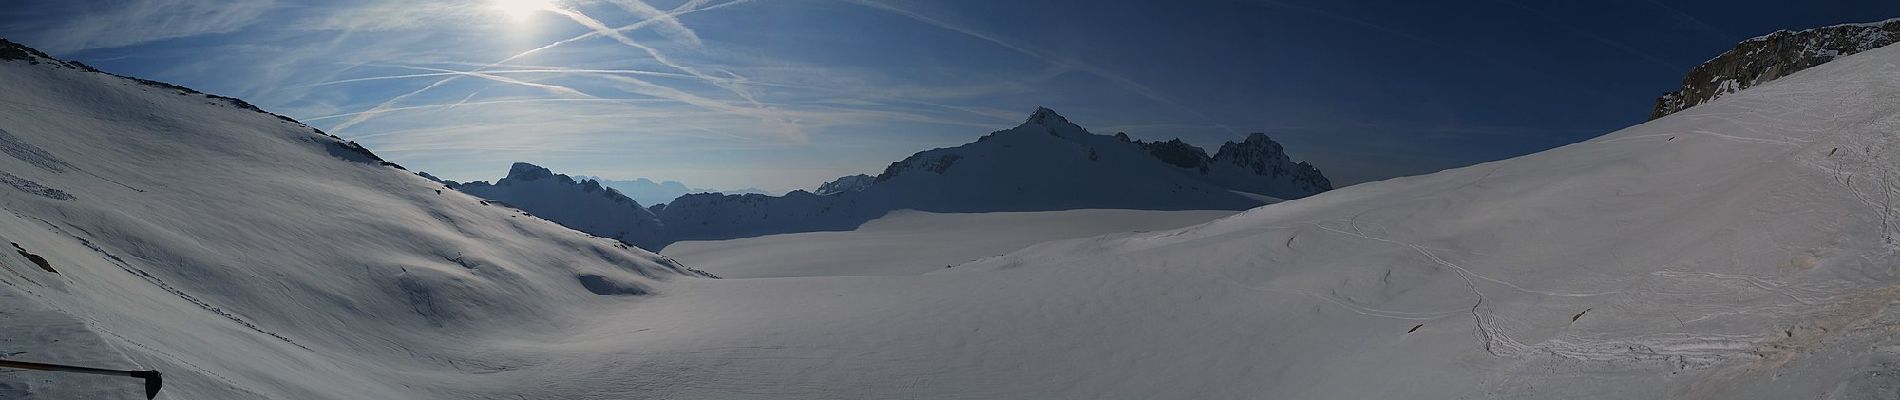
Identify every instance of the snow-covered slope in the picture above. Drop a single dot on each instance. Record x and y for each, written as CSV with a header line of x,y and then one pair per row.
x,y
248,256
1741,249
1047,163
1768,57
583,205
914,242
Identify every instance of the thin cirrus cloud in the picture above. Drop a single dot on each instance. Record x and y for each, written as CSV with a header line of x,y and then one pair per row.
x,y
453,83
126,23
740,93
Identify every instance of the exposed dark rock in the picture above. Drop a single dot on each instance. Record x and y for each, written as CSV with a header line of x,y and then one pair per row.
x,y
1766,58
845,184
1266,157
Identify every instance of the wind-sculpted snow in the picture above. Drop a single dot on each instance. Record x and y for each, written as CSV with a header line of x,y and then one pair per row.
x,y
247,256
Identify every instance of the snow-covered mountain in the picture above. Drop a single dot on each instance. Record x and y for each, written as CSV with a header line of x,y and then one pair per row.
x,y
1768,57
246,255
648,192
644,190
1255,165
1740,249
1047,163
583,205
851,183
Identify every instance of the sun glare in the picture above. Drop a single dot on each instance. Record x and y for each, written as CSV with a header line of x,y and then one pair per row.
x,y
520,9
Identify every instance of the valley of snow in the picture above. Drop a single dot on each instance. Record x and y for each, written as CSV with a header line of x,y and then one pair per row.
x,y
908,242
1741,249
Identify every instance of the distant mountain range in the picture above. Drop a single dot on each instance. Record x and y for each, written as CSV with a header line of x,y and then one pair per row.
x,y
649,192
1046,163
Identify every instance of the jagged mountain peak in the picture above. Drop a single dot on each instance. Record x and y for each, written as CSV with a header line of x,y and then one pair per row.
x,y
845,184
1046,116
528,172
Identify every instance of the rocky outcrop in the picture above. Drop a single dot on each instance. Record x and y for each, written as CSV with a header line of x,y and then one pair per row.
x,y
845,184
1765,58
1266,158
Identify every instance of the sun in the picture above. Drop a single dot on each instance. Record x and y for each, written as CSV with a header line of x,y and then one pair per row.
x,y
520,9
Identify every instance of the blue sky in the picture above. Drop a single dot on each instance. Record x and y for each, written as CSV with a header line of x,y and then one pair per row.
x,y
784,94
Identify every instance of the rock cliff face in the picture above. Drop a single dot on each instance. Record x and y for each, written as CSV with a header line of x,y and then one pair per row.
x,y
1268,170
1766,58
846,184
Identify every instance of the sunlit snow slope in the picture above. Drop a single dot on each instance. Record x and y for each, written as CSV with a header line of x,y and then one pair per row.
x,y
1743,248
247,256
1740,249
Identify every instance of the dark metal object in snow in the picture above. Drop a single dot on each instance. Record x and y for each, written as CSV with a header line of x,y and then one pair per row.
x,y
153,380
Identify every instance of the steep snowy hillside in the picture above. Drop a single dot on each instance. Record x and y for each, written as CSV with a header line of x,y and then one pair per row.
x,y
583,205
248,256
1768,57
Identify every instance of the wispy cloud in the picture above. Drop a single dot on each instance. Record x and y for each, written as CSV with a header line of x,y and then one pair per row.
x,y
126,23
669,25
1593,36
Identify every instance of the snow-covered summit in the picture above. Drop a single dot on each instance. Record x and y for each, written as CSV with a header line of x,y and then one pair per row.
x,y
1043,116
522,171
1765,58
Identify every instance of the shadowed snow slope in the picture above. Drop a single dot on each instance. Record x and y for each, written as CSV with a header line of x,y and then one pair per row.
x,y
248,256
907,242
1740,249
1743,248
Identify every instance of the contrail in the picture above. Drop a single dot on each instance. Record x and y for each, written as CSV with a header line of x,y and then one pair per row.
x,y
727,83
465,102
387,105
1124,82
500,72
669,25
1593,36
512,81
770,115
682,10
